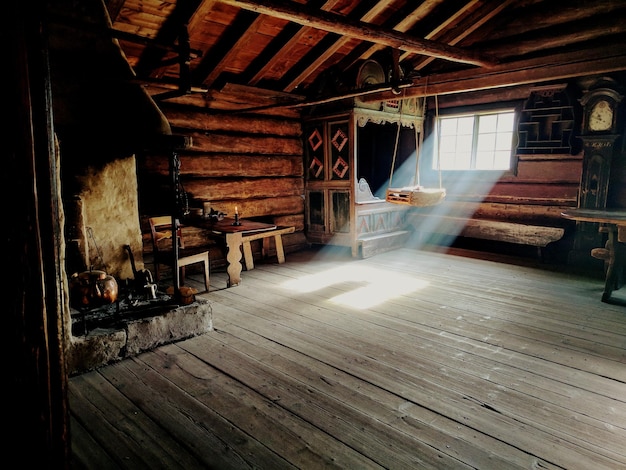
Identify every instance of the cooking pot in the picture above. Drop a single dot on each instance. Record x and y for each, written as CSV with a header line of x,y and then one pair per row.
x,y
92,289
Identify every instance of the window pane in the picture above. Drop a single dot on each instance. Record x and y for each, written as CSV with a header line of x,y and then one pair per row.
x,y
488,149
484,160
506,121
463,161
504,141
466,125
502,160
486,142
447,161
448,126
464,143
447,145
488,123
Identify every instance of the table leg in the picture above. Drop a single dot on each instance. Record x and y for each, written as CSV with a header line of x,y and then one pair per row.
x,y
247,255
233,258
617,253
280,252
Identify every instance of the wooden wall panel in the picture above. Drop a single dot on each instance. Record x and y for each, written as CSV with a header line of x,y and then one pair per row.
x,y
248,143
222,122
548,171
541,186
229,165
252,161
244,188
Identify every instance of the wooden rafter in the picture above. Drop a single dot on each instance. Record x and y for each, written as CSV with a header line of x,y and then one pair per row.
x,y
244,41
363,31
287,48
465,32
519,73
555,67
308,71
407,23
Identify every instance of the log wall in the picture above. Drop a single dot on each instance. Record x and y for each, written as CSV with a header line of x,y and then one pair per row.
x,y
543,184
249,160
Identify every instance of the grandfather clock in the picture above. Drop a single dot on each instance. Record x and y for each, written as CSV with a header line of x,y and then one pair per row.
x,y
602,128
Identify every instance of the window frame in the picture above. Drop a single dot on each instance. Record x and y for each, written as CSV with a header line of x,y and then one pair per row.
x,y
484,109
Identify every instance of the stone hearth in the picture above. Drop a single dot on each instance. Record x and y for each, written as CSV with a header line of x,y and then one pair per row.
x,y
134,332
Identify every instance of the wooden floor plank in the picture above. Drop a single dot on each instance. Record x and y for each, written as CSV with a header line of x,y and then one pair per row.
x,y
259,416
445,387
434,326
206,436
485,328
469,363
356,430
87,452
127,436
443,435
435,355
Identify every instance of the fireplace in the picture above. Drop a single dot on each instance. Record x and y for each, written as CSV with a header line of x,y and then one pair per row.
x,y
104,242
103,120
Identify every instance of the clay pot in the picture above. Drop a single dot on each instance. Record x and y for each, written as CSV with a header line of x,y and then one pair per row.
x,y
186,295
92,289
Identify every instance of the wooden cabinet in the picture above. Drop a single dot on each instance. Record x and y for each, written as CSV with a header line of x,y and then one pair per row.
x,y
340,208
329,161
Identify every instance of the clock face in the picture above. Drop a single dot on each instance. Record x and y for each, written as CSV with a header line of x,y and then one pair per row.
x,y
601,116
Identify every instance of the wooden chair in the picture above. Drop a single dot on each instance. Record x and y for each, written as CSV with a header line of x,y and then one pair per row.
x,y
162,249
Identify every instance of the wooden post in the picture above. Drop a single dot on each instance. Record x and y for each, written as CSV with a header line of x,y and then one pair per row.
x,y
175,175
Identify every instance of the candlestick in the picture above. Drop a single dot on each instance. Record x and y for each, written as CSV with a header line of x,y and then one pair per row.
x,y
236,222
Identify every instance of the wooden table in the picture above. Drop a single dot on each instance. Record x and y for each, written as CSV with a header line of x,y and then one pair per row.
x,y
238,237
615,250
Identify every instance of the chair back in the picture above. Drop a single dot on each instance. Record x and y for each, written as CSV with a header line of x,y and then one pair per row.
x,y
161,230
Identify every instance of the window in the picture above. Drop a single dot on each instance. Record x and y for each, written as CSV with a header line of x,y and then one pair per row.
x,y
480,141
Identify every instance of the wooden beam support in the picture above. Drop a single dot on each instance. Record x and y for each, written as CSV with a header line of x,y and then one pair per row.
x,y
364,31
602,60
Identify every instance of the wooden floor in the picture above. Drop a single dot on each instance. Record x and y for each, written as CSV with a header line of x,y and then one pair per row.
x,y
407,360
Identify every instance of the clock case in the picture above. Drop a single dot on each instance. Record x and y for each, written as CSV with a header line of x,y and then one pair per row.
x,y
590,102
600,150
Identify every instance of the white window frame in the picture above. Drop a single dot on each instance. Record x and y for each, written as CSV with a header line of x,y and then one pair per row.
x,y
471,152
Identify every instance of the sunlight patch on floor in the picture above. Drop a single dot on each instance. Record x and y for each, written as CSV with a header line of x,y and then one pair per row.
x,y
379,285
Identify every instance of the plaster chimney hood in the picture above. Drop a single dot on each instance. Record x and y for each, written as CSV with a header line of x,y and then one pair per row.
x,y
99,108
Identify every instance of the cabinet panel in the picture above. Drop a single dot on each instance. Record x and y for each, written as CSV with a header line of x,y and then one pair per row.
x,y
329,176
316,217
339,150
340,211
314,151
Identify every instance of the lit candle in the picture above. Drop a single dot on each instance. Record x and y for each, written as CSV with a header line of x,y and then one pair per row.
x,y
236,211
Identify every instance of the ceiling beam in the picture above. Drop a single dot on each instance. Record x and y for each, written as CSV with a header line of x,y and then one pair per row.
x,y
475,24
287,49
528,72
364,31
602,60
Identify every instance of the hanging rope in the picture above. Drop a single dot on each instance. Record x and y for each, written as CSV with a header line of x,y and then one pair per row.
x,y
395,147
416,195
419,141
437,137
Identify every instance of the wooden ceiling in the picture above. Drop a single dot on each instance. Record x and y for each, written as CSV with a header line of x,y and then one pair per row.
x,y
313,49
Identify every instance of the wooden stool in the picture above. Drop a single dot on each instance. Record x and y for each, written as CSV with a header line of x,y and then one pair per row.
x,y
265,236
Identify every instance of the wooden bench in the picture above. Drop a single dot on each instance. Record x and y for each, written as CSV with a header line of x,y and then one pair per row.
x,y
509,232
536,225
265,237
373,244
